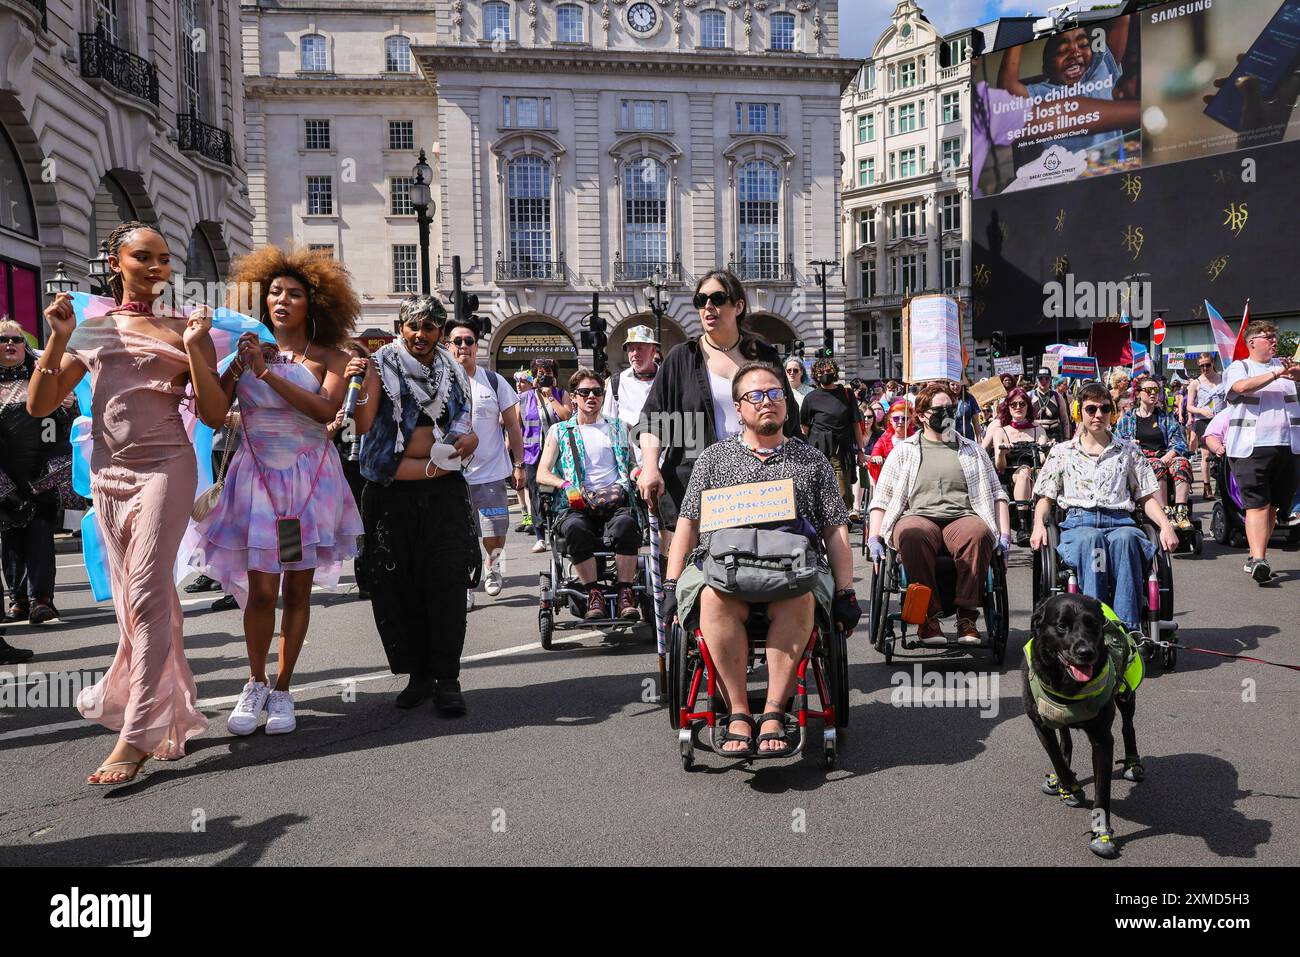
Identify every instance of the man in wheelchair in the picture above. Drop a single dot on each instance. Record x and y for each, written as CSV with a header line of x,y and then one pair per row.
x,y
939,491
1100,479
761,453
588,460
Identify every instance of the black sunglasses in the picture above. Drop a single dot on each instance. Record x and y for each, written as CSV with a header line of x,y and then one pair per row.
x,y
586,391
1096,410
463,341
12,340
756,396
715,298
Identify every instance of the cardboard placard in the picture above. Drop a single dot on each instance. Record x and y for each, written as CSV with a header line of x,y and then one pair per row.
x,y
740,506
1051,361
1015,365
987,391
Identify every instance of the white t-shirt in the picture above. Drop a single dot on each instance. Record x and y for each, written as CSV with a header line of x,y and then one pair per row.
x,y
600,468
1271,416
632,393
724,409
491,461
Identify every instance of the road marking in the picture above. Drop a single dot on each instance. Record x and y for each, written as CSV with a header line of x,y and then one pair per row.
x,y
218,703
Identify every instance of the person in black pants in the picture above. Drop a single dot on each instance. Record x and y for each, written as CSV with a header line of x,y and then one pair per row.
x,y
833,424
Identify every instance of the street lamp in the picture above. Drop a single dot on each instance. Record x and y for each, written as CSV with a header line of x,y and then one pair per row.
x,y
658,301
98,271
59,283
421,196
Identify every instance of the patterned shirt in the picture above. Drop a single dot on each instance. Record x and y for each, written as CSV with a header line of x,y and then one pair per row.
x,y
575,472
729,462
1116,479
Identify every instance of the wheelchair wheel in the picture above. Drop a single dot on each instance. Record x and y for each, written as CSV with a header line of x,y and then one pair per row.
x,y
545,616
1198,543
679,678
996,617
879,606
1219,530
837,674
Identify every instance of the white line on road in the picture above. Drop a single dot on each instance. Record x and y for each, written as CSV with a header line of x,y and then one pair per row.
x,y
217,703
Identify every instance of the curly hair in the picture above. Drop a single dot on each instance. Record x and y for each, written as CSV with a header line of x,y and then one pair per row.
x,y
332,303
116,284
824,365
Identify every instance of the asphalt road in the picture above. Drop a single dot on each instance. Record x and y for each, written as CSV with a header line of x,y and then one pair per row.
x,y
561,760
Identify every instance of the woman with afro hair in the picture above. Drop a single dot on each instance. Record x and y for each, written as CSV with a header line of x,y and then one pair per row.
x,y
286,517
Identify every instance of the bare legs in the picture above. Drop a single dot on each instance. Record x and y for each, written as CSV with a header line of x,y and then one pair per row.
x,y
259,621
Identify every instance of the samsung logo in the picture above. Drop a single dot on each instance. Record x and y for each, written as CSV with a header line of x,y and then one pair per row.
x,y
75,910
1173,13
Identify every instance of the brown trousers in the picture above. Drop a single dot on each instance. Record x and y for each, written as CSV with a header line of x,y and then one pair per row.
x,y
967,539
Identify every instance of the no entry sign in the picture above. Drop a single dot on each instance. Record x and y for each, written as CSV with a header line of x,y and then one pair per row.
x,y
1158,331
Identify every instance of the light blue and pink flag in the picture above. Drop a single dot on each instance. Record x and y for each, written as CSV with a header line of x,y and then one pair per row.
x,y
1231,345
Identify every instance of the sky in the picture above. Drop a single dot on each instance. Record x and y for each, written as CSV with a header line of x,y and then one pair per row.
x,y
862,21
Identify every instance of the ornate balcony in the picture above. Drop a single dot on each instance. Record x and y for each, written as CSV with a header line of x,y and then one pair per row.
x,y
101,60
762,270
642,270
523,270
199,137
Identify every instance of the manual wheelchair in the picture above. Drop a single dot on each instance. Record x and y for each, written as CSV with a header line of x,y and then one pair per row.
x,y
889,629
691,674
559,587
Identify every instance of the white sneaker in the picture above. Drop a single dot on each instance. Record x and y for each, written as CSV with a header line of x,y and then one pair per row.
x,y
279,713
492,581
540,546
469,599
248,710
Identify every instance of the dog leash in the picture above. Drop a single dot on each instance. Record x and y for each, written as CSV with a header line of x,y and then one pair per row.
x,y
1220,654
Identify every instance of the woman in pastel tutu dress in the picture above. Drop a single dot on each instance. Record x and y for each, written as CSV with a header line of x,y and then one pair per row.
x,y
285,519
141,359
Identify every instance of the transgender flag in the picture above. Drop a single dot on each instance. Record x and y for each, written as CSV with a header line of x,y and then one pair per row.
x,y
1230,344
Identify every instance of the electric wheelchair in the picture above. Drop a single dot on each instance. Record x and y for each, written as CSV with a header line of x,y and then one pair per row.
x,y
889,584
691,674
1052,576
560,589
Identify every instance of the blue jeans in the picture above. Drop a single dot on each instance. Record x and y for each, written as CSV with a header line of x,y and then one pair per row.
x,y
1111,555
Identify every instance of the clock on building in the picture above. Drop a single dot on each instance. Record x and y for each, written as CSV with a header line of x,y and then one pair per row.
x,y
642,18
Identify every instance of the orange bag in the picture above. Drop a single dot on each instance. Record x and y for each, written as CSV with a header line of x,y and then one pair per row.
x,y
916,604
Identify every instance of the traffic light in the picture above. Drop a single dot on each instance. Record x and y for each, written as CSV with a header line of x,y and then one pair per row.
x,y
998,341
595,338
468,305
828,345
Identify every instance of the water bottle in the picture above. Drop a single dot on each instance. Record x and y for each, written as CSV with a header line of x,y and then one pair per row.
x,y
1073,585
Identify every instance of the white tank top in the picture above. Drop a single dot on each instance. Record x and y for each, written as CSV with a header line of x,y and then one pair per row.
x,y
724,409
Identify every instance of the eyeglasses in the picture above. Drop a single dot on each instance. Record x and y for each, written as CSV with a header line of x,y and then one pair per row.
x,y
463,341
589,391
1149,388
756,396
898,419
714,298
1270,336
1017,405
1096,410
12,340
1206,365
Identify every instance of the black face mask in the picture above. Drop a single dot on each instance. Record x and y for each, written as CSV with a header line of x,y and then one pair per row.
x,y
941,418
827,378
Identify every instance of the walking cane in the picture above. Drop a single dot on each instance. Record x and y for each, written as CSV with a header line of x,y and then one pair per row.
x,y
657,596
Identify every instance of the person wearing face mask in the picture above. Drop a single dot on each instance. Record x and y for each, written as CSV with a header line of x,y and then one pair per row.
x,y
832,423
938,491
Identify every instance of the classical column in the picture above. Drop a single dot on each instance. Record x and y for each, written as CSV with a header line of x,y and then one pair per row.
x,y
933,257
965,236
884,282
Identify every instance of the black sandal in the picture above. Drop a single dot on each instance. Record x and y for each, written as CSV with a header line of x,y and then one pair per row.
x,y
727,735
781,735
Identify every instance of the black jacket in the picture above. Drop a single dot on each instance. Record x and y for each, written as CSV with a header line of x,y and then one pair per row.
x,y
679,411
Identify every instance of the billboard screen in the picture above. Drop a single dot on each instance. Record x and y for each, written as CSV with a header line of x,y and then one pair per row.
x,y
1181,81
1181,189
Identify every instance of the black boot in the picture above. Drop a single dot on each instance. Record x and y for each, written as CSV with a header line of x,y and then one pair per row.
x,y
9,655
448,699
417,689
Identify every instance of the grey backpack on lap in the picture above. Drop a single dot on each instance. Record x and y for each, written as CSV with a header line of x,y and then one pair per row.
x,y
760,564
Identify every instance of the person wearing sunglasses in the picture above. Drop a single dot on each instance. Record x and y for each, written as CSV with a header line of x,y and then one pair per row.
x,y
1159,435
28,515
689,406
539,408
939,492
588,459
1205,400
1263,438
1012,440
1100,480
762,453
900,423
493,468
794,372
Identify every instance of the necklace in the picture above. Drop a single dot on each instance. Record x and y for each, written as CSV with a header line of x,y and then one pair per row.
x,y
134,305
717,348
760,450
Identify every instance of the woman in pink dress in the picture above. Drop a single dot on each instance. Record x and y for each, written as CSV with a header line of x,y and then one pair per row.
x,y
286,475
143,476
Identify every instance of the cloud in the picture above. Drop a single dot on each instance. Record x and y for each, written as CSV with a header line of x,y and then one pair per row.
x,y
862,21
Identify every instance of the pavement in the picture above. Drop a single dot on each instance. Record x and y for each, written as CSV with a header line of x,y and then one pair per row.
x,y
564,758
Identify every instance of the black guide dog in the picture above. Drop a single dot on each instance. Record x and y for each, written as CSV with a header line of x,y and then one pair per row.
x,y
1067,685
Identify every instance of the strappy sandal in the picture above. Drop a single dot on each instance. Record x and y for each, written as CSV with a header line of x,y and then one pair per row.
x,y
135,770
727,735
781,736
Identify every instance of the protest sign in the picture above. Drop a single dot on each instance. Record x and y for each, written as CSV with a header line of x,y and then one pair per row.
x,y
1079,367
1014,365
740,506
987,391
932,346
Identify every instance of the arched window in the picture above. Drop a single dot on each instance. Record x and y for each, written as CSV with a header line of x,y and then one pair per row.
x,y
315,56
17,211
713,29
201,258
758,219
645,217
528,211
111,206
783,31
397,55
496,21
569,25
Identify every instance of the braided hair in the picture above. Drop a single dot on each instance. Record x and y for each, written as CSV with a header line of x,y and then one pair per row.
x,y
116,238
